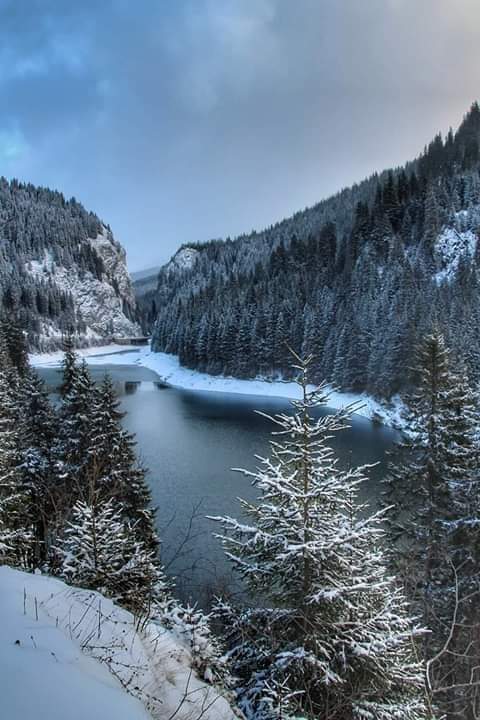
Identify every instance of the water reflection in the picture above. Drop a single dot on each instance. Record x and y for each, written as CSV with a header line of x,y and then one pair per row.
x,y
189,441
130,387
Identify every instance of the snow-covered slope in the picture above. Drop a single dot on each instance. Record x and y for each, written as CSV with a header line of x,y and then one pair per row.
x,y
70,653
184,259
99,303
451,248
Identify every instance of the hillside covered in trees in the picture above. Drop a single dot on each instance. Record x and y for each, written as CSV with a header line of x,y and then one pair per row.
x,y
61,271
356,280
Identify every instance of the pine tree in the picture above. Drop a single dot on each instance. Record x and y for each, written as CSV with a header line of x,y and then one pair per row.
x,y
110,541
16,345
98,552
119,476
426,492
76,427
38,471
15,528
433,493
69,366
331,636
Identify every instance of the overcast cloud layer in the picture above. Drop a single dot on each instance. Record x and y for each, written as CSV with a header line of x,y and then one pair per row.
x,y
183,120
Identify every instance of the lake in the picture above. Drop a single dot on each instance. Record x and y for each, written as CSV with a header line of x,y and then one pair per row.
x,y
188,441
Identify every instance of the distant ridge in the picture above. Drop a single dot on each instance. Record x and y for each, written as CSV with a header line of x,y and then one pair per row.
x,y
356,279
142,274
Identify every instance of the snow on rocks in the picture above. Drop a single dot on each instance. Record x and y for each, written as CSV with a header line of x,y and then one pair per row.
x,y
184,259
99,303
71,653
452,246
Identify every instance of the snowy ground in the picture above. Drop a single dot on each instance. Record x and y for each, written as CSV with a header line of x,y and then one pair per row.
x,y
70,653
172,373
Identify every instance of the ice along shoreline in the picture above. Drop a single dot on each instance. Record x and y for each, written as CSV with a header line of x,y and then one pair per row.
x,y
171,373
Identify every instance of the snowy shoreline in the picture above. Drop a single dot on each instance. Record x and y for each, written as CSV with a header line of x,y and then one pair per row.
x,y
170,372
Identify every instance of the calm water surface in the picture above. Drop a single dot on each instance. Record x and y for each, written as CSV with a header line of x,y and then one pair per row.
x,y
188,441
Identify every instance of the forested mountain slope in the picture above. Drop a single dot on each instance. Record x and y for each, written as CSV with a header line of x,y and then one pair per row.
x,y
356,280
61,271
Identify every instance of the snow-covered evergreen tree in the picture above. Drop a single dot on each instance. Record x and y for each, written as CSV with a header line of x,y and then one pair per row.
x,y
15,523
15,344
99,552
331,636
433,493
118,473
69,366
38,470
76,428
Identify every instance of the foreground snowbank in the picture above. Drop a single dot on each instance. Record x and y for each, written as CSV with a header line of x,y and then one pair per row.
x,y
169,370
70,653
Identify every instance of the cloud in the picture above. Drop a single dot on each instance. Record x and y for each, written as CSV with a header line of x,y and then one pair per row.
x,y
12,145
179,121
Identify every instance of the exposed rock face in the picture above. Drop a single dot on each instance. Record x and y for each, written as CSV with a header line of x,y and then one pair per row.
x,y
61,270
184,259
104,307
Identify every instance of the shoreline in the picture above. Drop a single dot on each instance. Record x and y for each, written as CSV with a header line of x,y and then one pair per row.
x,y
171,373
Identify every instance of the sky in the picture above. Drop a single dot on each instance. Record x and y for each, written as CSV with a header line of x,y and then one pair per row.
x,y
178,121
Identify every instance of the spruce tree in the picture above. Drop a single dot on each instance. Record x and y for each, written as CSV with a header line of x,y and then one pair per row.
x,y
15,344
331,635
15,523
99,552
433,493
38,471
118,474
69,366
75,427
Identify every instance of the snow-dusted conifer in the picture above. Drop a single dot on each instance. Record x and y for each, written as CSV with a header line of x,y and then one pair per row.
x,y
433,493
118,473
100,552
93,547
15,344
69,366
38,469
15,530
193,626
76,429
331,635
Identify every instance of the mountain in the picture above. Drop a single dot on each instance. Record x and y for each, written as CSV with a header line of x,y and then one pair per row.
x,y
144,281
139,275
356,280
145,284
61,270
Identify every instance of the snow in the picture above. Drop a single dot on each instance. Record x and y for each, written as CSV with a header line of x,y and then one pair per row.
x,y
184,259
71,653
170,372
450,247
98,302
53,359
